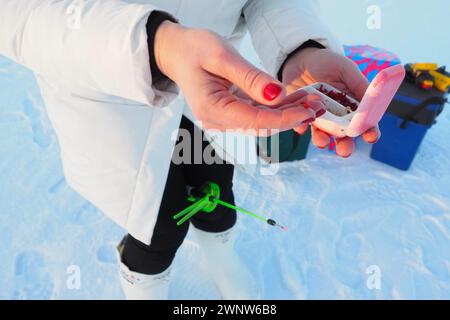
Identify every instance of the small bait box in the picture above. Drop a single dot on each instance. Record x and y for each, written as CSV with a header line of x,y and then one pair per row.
x,y
355,118
338,116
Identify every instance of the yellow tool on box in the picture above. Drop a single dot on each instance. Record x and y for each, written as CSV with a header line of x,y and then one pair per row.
x,y
428,76
442,79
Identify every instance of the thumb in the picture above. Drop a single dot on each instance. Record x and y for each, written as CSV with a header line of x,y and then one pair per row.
x,y
355,81
257,84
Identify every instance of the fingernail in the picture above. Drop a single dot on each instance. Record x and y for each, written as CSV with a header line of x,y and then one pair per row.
x,y
309,120
272,91
320,113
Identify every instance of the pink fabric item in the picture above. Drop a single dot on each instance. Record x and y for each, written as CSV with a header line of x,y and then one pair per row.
x,y
371,60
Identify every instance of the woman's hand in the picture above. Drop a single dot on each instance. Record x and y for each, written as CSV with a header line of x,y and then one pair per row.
x,y
313,65
209,71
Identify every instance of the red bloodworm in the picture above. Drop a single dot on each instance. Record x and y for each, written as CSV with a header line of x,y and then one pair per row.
x,y
339,97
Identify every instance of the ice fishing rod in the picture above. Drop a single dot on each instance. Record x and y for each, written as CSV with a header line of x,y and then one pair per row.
x,y
207,198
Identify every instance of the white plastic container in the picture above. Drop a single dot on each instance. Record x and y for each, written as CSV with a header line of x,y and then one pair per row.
x,y
341,121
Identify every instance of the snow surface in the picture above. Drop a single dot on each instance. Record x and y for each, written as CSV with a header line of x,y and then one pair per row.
x,y
343,215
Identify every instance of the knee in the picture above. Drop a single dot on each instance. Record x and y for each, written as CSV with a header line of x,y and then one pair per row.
x,y
154,258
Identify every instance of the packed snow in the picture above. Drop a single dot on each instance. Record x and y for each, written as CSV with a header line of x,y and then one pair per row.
x,y
346,217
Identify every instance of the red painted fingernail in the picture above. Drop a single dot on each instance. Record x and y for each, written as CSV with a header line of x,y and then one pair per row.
x,y
306,105
309,120
320,113
272,91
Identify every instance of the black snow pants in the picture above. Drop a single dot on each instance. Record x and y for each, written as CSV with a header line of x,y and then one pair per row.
x,y
167,236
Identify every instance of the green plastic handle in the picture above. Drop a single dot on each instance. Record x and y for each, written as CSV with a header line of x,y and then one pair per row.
x,y
185,211
199,206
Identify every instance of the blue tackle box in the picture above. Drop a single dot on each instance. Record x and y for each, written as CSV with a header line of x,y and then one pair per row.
x,y
404,126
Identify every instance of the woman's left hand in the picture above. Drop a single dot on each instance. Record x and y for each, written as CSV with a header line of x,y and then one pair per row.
x,y
313,65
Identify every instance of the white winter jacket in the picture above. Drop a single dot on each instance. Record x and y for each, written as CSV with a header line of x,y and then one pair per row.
x,y
113,125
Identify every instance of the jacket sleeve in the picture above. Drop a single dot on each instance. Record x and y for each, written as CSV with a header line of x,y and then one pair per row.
x,y
279,27
94,49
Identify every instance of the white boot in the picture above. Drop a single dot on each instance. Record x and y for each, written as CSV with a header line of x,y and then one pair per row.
x,y
138,286
223,264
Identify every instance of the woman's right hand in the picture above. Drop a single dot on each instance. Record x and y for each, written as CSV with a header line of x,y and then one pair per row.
x,y
208,70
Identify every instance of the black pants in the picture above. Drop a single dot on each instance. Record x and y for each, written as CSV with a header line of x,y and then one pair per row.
x,y
167,236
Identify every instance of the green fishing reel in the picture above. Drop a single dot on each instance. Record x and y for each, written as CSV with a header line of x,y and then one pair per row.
x,y
206,199
210,190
